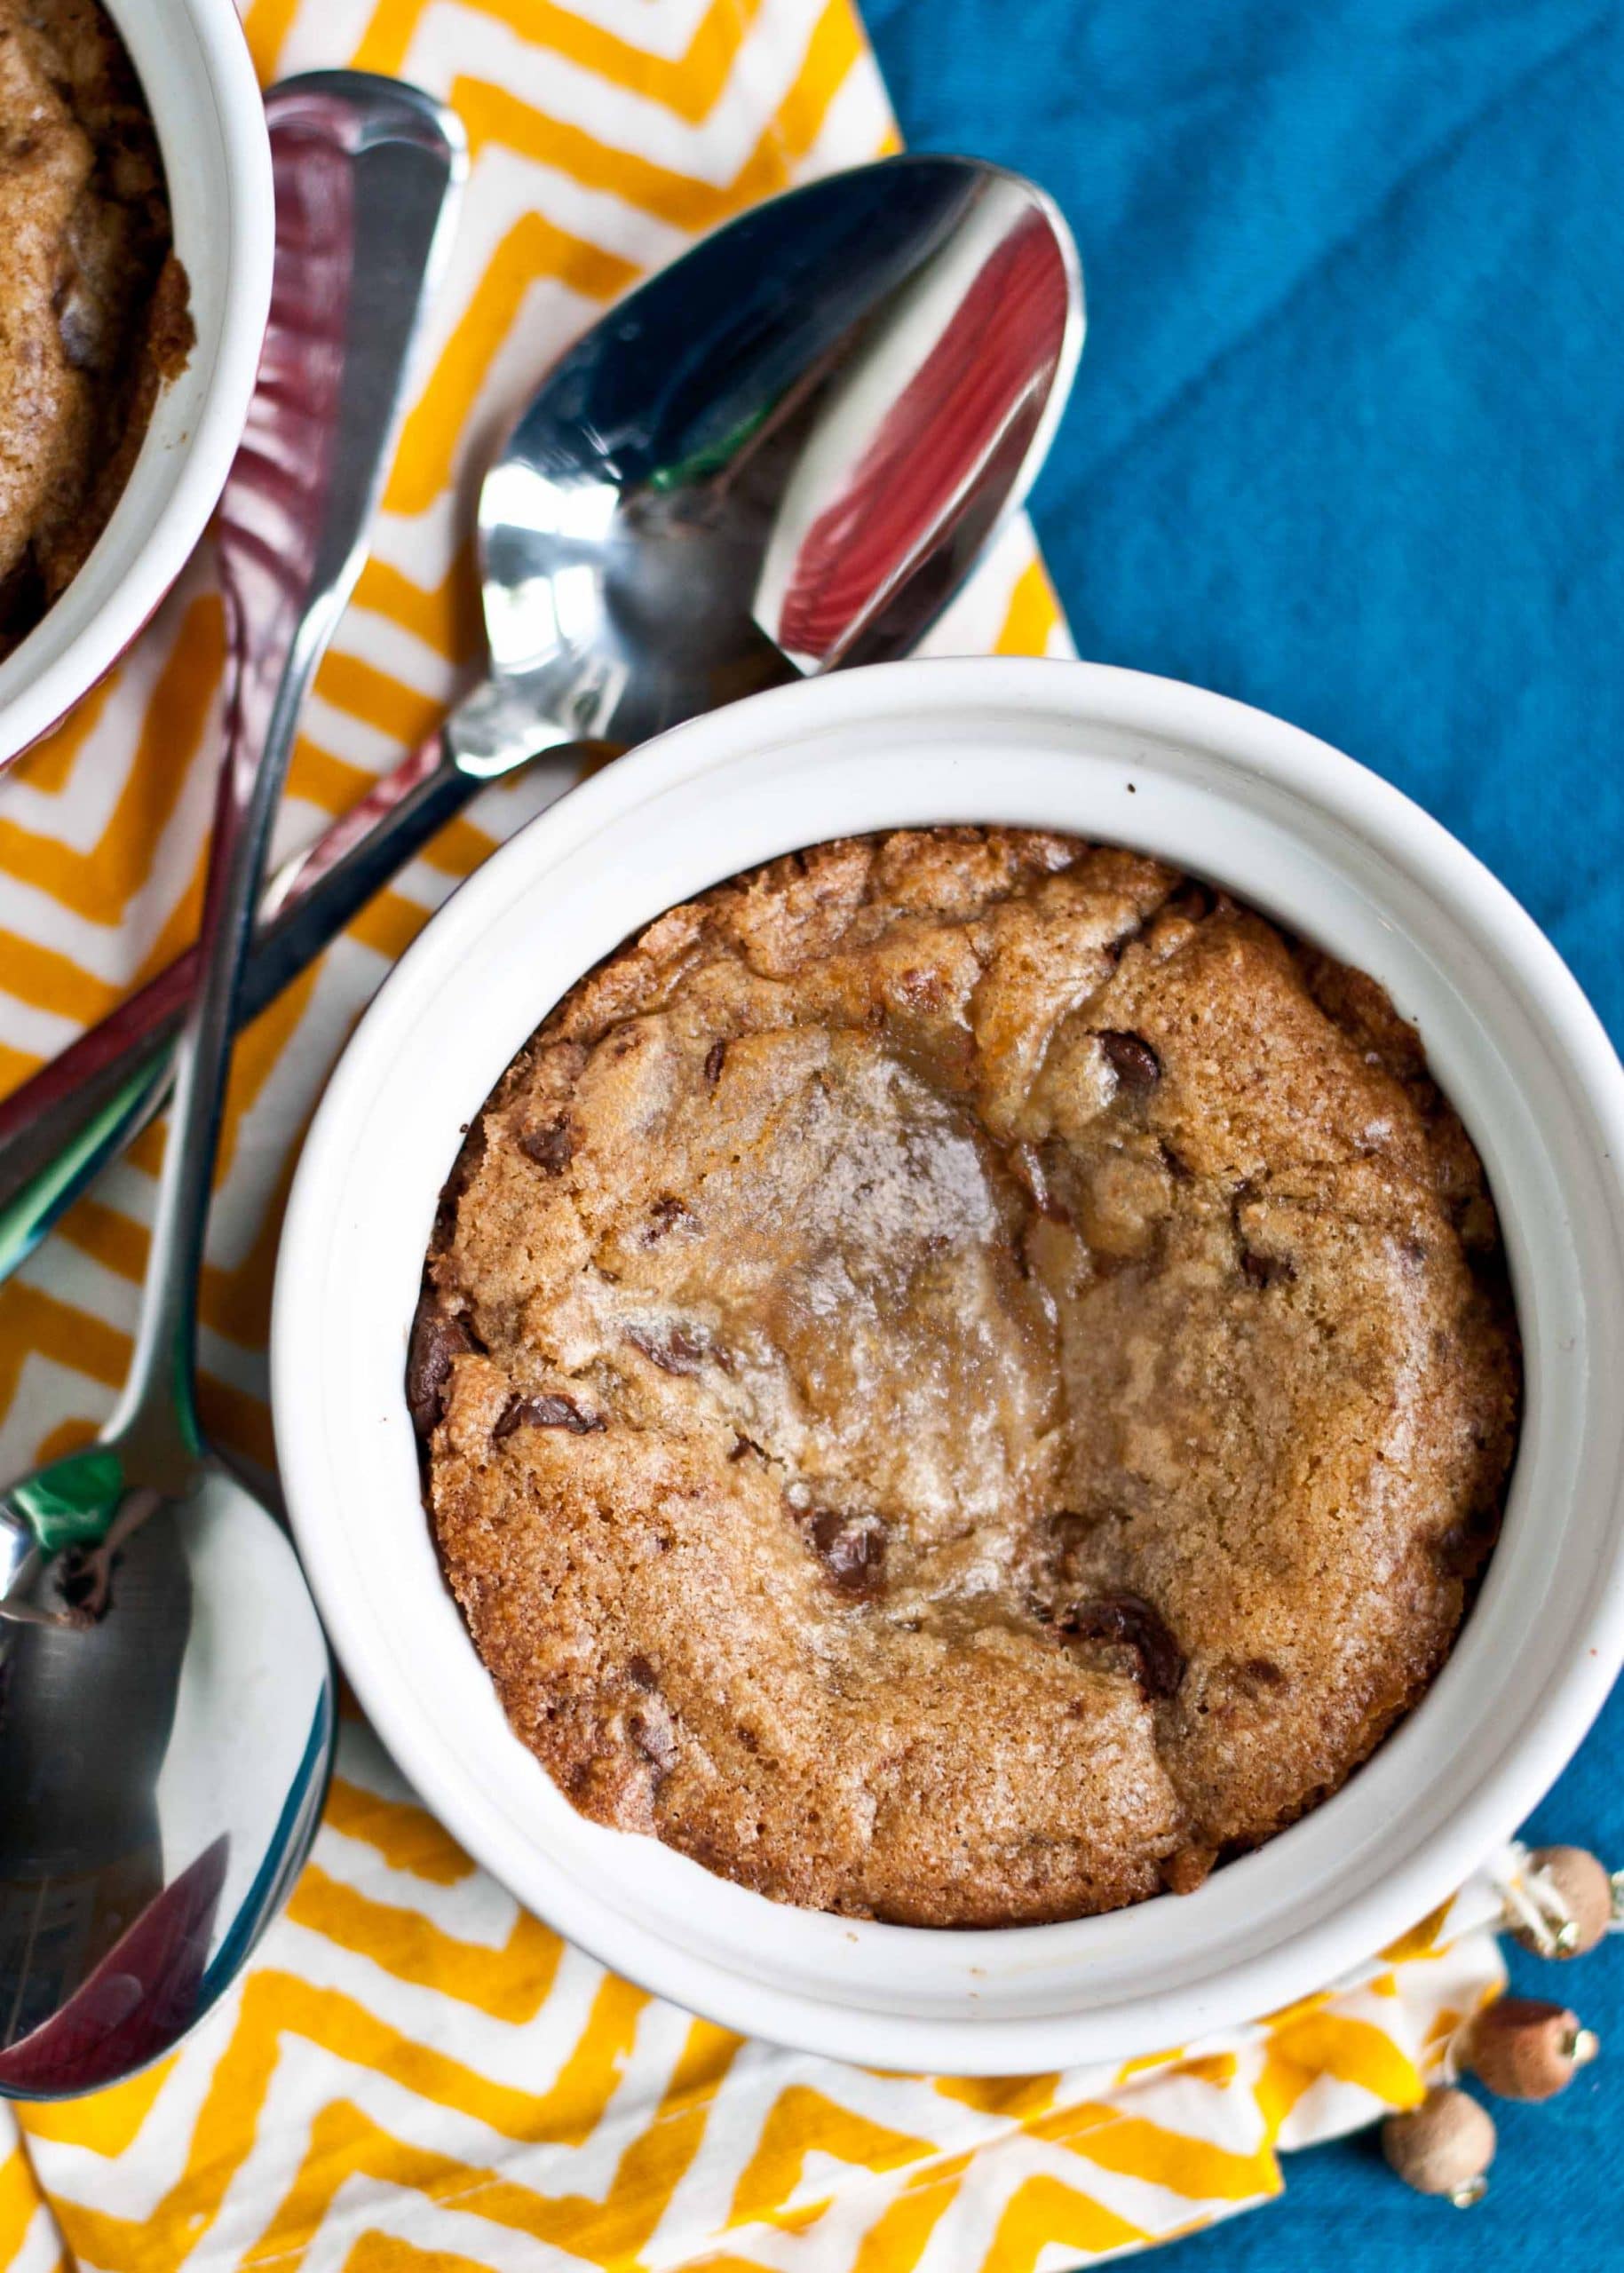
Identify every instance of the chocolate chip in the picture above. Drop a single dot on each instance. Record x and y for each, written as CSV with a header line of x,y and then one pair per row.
x,y
852,1548
550,1144
664,1216
675,1352
1132,1061
714,1056
1139,1627
547,1413
1463,1547
436,1339
639,1672
1262,1673
1266,1269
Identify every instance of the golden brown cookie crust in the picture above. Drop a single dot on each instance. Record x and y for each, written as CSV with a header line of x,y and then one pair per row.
x,y
93,303
963,1377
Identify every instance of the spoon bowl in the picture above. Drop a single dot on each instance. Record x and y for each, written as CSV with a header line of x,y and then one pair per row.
x,y
136,1873
782,454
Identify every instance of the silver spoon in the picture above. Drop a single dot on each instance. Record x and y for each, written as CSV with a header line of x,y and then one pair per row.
x,y
164,1747
783,453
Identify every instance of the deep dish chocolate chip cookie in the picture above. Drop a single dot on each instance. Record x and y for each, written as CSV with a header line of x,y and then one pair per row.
x,y
963,1377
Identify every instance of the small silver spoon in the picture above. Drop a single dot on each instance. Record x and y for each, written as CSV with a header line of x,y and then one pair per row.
x,y
164,1745
783,453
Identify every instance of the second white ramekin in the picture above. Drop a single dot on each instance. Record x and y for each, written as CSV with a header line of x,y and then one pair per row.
x,y
199,82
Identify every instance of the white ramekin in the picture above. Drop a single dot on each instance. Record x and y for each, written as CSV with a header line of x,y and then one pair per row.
x,y
200,87
1239,798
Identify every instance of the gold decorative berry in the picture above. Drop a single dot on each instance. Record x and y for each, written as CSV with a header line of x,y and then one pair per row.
x,y
1581,1907
1444,2146
1522,2047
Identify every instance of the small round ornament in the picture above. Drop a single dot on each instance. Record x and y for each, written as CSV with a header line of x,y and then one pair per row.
x,y
1524,2047
1575,1902
1444,2146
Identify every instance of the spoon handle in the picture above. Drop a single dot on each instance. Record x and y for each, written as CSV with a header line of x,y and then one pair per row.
x,y
367,169
75,1116
66,1123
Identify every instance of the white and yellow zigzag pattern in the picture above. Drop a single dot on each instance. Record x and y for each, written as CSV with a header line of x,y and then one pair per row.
x,y
415,2075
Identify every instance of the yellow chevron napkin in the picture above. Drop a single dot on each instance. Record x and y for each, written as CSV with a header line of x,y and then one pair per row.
x,y
415,2074
417,2077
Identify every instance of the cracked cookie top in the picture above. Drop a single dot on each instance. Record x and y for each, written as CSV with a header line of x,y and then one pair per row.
x,y
963,1377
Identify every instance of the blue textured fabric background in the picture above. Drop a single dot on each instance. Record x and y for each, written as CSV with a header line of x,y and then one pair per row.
x,y
1348,442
